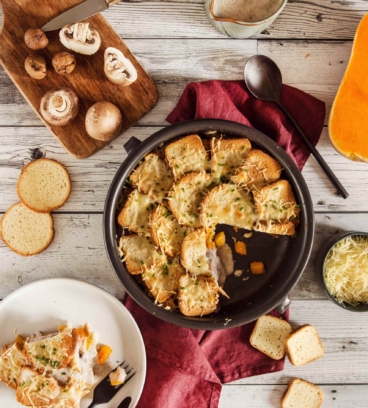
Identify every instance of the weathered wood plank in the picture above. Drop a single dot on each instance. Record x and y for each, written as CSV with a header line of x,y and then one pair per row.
x,y
315,67
269,396
345,339
91,178
316,19
78,251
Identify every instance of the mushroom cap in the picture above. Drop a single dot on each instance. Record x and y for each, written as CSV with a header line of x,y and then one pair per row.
x,y
59,106
81,38
118,69
103,121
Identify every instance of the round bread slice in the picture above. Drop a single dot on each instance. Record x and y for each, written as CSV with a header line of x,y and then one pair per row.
x,y
26,232
44,185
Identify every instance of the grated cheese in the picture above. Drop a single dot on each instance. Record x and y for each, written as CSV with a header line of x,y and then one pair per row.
x,y
346,270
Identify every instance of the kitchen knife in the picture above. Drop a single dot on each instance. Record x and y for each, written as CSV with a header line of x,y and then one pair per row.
x,y
77,13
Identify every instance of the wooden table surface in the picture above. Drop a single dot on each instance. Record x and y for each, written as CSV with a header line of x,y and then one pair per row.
x,y
311,42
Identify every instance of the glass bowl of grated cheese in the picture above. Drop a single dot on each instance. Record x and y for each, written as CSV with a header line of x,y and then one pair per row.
x,y
344,270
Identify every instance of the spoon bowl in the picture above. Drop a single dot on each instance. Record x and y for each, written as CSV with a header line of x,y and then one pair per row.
x,y
263,78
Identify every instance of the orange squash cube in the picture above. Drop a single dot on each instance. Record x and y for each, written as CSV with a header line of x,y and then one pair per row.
x,y
220,239
103,354
257,268
240,248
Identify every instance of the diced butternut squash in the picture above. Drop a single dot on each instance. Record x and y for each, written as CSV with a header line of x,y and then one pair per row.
x,y
209,238
240,248
103,354
257,268
220,239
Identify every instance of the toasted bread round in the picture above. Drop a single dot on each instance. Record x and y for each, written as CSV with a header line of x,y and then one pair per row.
x,y
193,253
25,231
44,185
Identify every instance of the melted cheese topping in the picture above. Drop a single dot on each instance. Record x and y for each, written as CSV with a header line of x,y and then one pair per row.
x,y
346,270
186,196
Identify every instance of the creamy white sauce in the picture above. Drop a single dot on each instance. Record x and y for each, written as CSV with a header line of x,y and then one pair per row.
x,y
246,10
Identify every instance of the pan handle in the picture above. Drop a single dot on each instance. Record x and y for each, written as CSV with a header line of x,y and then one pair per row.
x,y
132,144
285,303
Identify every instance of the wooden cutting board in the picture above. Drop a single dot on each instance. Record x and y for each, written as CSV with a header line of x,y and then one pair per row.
x,y
87,80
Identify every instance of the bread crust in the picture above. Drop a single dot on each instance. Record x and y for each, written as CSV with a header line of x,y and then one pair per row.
x,y
291,355
227,155
187,154
253,337
23,174
289,390
257,170
19,251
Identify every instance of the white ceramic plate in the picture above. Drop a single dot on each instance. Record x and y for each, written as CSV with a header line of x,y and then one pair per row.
x,y
43,305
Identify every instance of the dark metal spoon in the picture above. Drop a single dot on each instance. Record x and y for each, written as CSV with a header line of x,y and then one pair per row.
x,y
264,81
125,403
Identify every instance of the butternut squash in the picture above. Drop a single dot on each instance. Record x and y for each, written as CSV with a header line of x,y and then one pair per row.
x,y
348,124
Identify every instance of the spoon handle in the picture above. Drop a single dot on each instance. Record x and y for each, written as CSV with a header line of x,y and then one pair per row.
x,y
316,154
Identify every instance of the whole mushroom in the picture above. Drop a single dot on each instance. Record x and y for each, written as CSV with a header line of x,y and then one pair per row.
x,y
35,39
35,66
59,106
103,121
118,69
63,63
81,38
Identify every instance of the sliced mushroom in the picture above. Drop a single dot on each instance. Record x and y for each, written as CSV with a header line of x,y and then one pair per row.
x,y
103,121
118,69
35,65
81,38
59,106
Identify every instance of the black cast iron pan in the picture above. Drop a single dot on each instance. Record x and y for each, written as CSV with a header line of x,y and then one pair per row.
x,y
285,258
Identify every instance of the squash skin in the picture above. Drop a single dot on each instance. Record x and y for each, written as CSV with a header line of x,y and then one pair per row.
x,y
348,122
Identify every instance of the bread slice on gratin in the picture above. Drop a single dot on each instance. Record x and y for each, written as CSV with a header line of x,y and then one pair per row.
x,y
277,209
198,296
193,253
35,389
166,232
51,351
186,155
152,177
257,170
163,280
269,334
136,212
138,251
186,195
228,204
11,362
227,155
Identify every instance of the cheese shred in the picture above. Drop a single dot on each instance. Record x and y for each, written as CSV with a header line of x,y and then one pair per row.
x,y
346,270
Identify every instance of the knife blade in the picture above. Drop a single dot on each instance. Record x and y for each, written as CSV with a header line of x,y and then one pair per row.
x,y
77,13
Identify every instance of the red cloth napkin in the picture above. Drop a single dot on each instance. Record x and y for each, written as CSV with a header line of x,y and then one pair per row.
x,y
185,367
231,100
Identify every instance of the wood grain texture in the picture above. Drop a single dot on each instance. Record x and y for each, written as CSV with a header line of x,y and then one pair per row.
x,y
78,251
314,67
269,396
91,178
87,80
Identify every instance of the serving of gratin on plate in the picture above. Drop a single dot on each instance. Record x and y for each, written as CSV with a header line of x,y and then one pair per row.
x,y
176,197
54,368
